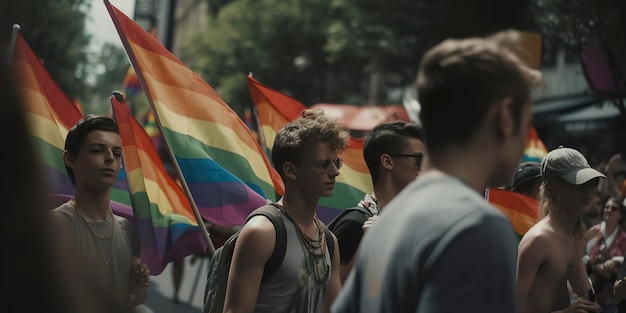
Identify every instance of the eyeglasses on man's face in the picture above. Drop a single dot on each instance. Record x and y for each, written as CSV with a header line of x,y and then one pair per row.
x,y
416,156
324,164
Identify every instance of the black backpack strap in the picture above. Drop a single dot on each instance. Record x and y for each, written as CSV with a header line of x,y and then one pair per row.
x,y
273,214
363,210
330,243
335,221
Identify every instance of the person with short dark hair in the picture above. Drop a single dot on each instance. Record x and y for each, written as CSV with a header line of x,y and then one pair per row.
x,y
440,246
306,155
106,245
527,179
551,252
394,152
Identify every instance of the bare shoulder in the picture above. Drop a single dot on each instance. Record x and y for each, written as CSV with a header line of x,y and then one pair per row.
x,y
259,226
539,237
258,235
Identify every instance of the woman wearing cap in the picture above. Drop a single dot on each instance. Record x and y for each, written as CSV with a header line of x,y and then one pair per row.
x,y
551,252
607,254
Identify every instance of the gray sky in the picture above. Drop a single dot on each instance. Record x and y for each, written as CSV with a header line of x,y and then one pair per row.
x,y
100,25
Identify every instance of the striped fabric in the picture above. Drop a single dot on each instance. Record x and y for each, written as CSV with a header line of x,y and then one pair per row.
x,y
224,166
131,83
521,210
50,114
167,226
535,149
275,109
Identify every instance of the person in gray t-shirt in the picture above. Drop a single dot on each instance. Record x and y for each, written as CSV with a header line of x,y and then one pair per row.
x,y
440,246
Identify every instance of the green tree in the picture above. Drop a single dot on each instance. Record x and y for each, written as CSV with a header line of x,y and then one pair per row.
x,y
577,23
111,65
331,50
55,30
387,38
280,42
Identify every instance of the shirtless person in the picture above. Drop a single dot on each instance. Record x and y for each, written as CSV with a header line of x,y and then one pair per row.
x,y
551,252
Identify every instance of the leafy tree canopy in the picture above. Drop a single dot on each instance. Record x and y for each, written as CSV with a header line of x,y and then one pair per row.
x,y
577,22
326,51
55,30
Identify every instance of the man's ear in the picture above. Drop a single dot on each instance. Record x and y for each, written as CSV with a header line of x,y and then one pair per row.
x,y
67,158
386,162
504,118
290,170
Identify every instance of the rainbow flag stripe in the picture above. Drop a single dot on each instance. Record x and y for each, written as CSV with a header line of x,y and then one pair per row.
x,y
535,149
131,83
521,210
227,172
163,214
275,109
50,114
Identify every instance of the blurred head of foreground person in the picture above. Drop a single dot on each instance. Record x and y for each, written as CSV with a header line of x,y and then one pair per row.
x,y
439,244
551,252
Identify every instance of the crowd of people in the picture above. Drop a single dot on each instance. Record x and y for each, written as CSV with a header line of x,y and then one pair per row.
x,y
425,240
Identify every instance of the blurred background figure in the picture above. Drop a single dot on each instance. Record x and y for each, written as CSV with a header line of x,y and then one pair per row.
x,y
527,179
607,255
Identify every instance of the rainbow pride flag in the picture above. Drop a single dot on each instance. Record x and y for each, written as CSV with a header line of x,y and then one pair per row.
x,y
521,210
131,83
225,168
167,226
275,109
535,149
50,114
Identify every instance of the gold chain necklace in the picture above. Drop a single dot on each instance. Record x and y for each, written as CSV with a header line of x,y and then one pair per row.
x,y
95,236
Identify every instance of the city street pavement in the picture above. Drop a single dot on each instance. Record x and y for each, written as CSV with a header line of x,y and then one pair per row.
x,y
161,290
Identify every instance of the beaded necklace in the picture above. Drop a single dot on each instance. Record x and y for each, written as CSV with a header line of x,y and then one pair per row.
x,y
320,269
95,236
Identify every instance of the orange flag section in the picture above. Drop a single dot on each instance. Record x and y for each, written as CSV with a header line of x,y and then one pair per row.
x,y
521,210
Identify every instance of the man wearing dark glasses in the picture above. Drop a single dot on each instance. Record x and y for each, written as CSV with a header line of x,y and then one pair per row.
x,y
393,152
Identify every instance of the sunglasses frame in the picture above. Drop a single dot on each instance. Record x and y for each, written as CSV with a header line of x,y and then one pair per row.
x,y
324,164
417,156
